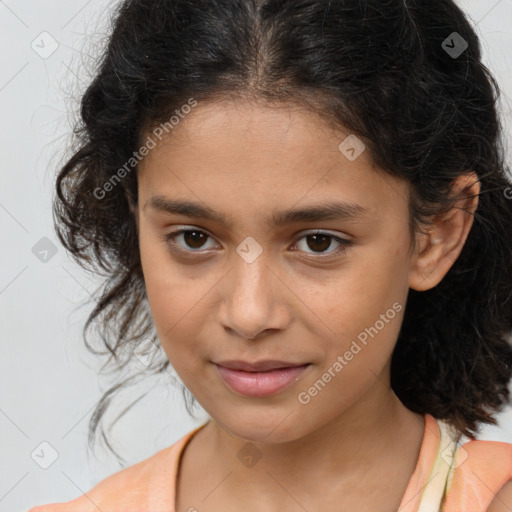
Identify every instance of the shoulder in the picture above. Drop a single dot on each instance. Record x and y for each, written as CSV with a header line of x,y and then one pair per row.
x,y
145,484
482,470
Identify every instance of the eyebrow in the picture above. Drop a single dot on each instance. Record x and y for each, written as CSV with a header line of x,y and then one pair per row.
x,y
326,211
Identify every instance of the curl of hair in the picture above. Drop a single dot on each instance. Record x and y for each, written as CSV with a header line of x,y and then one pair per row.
x,y
375,68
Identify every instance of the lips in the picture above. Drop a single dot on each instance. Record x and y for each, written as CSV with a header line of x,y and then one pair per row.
x,y
260,379
258,366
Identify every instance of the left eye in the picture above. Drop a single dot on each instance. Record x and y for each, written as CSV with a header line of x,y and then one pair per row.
x,y
322,241
318,241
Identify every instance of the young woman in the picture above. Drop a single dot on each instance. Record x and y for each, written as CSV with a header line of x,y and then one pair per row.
x,y
304,203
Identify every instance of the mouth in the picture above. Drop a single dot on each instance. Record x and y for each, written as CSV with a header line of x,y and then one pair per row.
x,y
258,366
260,379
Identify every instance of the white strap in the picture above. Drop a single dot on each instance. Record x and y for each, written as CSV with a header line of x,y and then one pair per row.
x,y
442,470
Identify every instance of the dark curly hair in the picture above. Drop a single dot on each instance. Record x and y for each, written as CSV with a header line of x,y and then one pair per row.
x,y
382,69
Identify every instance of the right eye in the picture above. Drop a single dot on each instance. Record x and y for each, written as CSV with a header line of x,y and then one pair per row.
x,y
192,238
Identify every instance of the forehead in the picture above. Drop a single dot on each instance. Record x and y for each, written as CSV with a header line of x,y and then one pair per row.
x,y
239,154
276,128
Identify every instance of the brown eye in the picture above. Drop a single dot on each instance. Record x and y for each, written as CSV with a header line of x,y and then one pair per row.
x,y
319,243
193,239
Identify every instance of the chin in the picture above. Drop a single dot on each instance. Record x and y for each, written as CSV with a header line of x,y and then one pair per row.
x,y
258,427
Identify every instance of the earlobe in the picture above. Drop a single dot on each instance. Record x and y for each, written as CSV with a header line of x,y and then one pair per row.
x,y
438,248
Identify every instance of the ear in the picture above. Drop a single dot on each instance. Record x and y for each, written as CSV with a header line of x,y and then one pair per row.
x,y
438,249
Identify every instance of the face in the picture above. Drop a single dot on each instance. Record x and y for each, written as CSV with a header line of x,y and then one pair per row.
x,y
252,289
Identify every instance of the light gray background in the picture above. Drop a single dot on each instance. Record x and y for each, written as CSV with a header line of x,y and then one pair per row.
x,y
50,382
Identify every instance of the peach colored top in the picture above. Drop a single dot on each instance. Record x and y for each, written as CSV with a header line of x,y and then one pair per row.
x,y
449,477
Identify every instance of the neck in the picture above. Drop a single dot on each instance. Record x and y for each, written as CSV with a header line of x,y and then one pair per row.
x,y
367,439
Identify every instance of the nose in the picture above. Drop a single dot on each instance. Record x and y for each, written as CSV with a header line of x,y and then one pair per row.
x,y
254,299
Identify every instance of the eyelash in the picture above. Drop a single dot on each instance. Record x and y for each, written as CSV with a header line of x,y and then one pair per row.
x,y
344,244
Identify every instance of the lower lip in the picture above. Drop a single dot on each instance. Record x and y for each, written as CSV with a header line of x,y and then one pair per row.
x,y
260,384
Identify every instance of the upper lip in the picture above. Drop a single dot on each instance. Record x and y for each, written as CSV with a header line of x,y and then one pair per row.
x,y
258,366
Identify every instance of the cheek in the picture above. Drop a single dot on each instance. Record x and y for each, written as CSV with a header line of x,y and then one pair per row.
x,y
365,306
356,357
174,299
170,293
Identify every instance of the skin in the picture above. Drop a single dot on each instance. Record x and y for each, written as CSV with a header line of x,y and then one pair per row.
x,y
342,448
502,502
